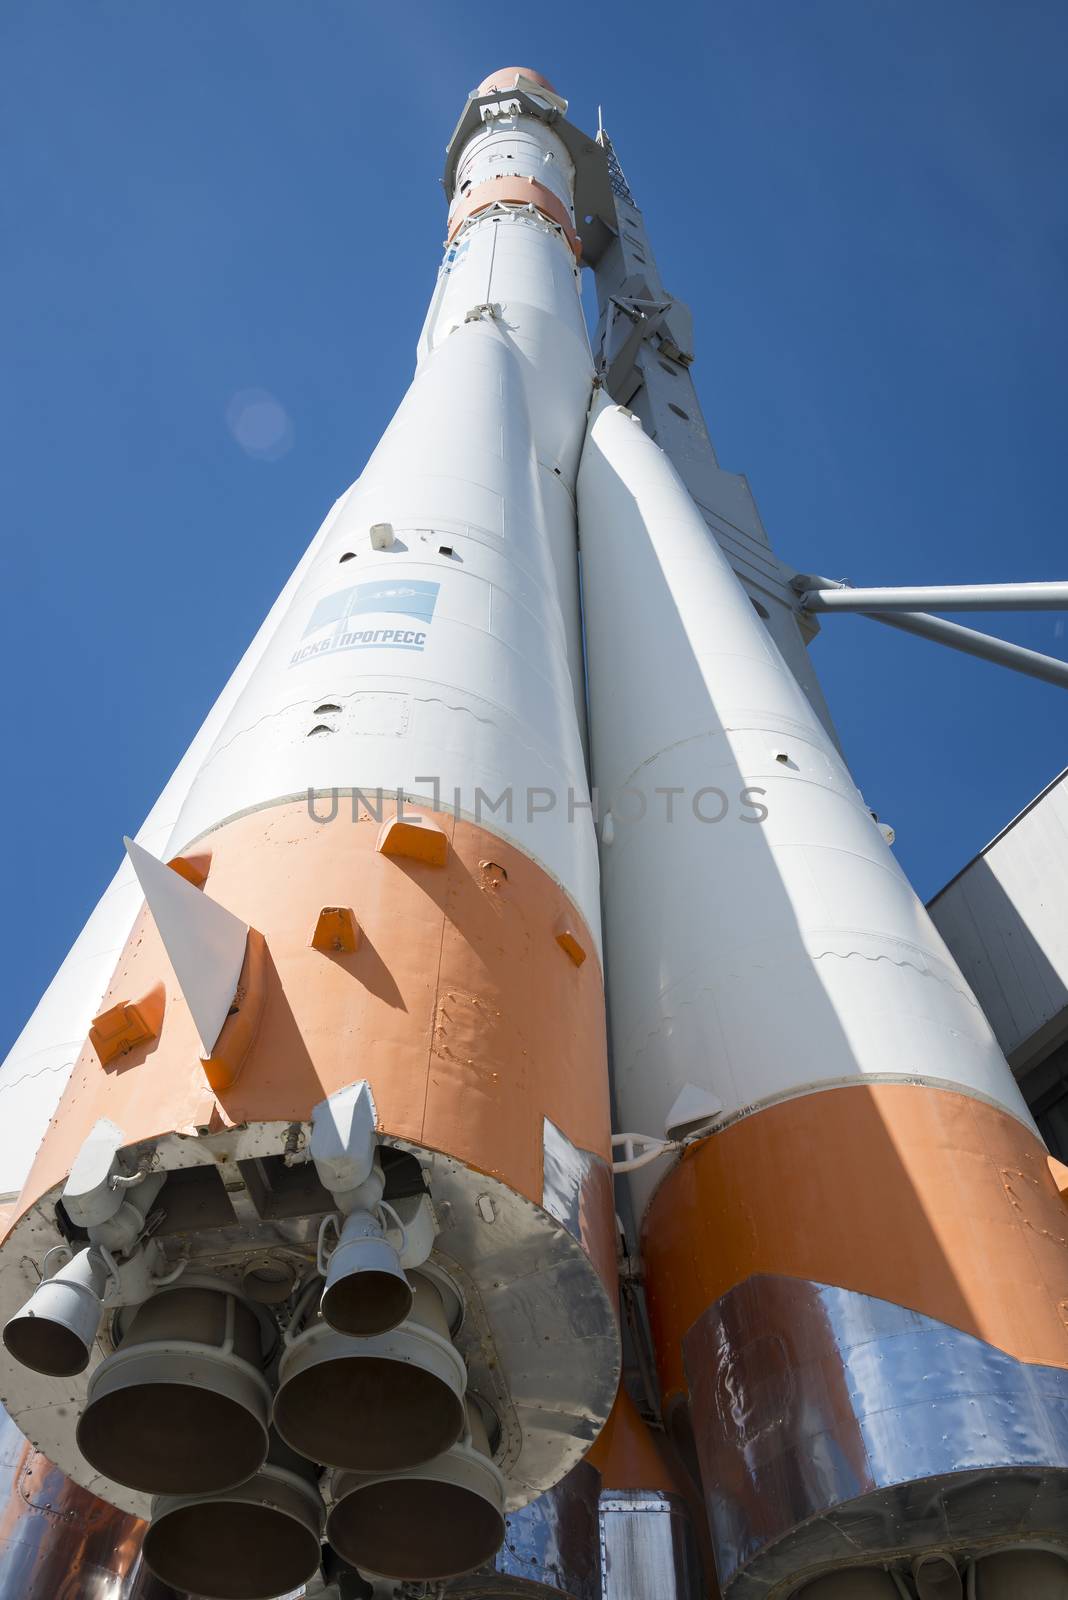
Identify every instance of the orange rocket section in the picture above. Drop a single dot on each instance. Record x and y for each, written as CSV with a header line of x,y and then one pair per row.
x,y
506,78
929,1199
514,191
470,1020
625,1454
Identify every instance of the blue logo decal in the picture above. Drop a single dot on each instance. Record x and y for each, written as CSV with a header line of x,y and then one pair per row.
x,y
401,597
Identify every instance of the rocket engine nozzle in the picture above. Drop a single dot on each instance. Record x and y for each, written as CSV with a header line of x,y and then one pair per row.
x,y
430,1522
54,1332
406,1387
366,1290
1038,1574
245,1543
182,1406
857,1584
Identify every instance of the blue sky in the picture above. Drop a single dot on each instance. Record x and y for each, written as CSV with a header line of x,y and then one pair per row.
x,y
201,204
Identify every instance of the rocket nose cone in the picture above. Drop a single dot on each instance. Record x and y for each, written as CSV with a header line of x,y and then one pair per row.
x,y
507,77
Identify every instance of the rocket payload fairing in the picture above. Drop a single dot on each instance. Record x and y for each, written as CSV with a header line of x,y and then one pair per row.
x,y
315,1267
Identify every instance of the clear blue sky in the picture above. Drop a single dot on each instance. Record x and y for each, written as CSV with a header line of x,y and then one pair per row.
x,y
863,200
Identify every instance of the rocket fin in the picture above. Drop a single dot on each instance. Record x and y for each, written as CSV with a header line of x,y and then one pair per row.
x,y
205,943
694,1108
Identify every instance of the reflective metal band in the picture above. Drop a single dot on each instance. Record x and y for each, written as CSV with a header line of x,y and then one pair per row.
x,y
56,1538
647,1547
551,1548
832,1427
514,191
572,1544
577,1191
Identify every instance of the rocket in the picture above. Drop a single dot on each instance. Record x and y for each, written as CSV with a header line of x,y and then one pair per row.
x,y
322,1194
319,1243
855,1265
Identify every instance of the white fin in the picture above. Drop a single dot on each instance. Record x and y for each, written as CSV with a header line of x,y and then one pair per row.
x,y
204,942
692,1109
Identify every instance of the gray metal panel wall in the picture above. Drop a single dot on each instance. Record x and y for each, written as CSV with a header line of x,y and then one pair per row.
x,y
1005,918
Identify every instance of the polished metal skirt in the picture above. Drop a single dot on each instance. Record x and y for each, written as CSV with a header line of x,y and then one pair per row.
x,y
58,1541
835,1430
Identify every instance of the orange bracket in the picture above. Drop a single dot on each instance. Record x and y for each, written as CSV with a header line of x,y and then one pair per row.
x,y
415,838
336,929
1059,1174
117,1030
194,869
569,943
223,1067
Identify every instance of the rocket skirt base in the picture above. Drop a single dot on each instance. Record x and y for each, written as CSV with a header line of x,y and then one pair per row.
x,y
835,1430
550,1389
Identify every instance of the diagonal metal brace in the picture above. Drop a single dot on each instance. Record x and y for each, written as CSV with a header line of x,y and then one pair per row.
x,y
1032,663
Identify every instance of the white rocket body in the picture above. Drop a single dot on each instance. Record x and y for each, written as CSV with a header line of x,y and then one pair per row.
x,y
390,806
853,1317
764,941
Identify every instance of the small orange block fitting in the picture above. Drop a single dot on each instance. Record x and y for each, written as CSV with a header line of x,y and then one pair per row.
x,y
336,929
1059,1174
414,837
117,1030
569,944
194,869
